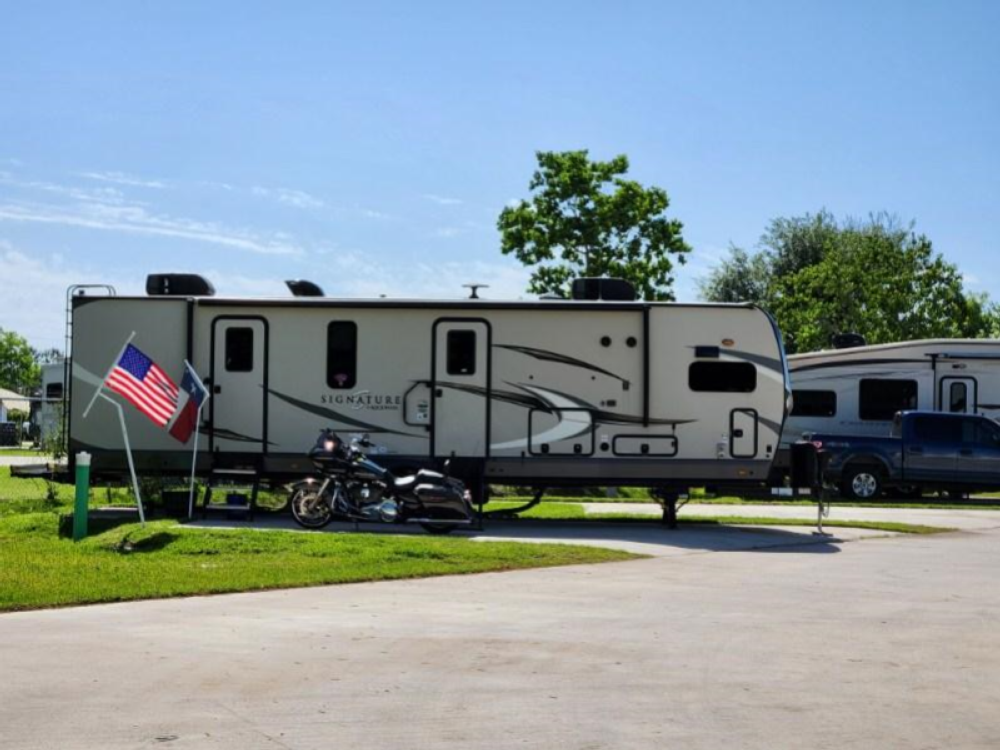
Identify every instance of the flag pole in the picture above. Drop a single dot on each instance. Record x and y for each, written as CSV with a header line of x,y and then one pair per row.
x,y
194,458
107,375
128,453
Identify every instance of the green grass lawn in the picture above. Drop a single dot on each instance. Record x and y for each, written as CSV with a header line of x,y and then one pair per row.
x,y
574,511
40,569
23,452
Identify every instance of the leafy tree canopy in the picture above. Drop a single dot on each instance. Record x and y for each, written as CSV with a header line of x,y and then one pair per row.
x,y
585,219
18,369
877,277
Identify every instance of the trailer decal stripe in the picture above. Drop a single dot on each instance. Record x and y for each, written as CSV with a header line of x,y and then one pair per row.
x,y
563,359
338,417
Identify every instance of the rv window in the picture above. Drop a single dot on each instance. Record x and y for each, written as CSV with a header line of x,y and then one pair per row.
x,y
342,354
54,390
239,349
461,352
879,400
814,403
958,397
725,377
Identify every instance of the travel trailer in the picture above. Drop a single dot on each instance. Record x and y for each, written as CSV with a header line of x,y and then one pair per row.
x,y
596,390
858,390
48,408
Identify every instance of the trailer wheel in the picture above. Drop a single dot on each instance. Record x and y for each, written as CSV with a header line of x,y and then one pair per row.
x,y
861,483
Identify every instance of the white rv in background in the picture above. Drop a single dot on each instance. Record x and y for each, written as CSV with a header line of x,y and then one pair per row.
x,y
857,391
597,390
48,411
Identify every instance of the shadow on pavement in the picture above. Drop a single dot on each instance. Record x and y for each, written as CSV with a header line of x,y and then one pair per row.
x,y
640,537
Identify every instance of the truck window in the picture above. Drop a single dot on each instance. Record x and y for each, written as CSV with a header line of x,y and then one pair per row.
x,y
980,432
879,400
342,354
814,403
722,377
932,429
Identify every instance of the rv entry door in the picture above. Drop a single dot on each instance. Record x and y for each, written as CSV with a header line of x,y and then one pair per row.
x,y
461,387
743,433
958,395
238,406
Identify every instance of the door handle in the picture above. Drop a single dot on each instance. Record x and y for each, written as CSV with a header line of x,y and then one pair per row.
x,y
438,392
216,389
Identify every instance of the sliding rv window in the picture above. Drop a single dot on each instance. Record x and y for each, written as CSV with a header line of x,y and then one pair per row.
x,y
239,349
879,400
54,391
461,352
342,354
814,403
723,377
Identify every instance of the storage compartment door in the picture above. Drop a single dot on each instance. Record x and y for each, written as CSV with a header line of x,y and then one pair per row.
x,y
461,388
239,385
743,433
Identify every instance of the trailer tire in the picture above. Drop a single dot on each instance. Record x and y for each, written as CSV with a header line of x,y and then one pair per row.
x,y
861,482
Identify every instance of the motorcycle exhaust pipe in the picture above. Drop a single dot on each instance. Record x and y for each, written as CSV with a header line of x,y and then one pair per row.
x,y
388,510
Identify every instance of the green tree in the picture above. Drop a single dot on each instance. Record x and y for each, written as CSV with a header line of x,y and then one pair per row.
x,y
878,278
585,219
18,370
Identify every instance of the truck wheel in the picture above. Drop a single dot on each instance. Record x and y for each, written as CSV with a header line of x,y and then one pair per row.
x,y
861,483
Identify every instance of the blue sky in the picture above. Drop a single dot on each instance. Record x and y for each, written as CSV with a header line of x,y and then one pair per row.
x,y
370,146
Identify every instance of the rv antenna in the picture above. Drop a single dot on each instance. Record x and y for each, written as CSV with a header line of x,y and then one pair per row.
x,y
475,289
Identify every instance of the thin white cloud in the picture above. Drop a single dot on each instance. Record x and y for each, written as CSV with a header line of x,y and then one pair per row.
x,y
288,197
120,178
136,220
370,213
442,200
448,232
98,195
33,288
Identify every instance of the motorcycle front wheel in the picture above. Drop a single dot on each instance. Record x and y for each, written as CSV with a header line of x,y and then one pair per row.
x,y
309,509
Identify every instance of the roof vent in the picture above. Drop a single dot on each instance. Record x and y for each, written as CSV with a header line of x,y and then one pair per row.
x,y
611,290
178,285
303,288
848,340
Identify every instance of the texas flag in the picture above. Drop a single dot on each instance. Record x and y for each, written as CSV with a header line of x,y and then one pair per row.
x,y
192,394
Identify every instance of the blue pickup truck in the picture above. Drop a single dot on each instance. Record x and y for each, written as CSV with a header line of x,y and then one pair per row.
x,y
958,453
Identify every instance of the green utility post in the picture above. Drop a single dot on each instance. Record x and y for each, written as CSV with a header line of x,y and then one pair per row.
x,y
82,496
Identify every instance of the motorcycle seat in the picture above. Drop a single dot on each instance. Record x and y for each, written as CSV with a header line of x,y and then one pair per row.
x,y
405,484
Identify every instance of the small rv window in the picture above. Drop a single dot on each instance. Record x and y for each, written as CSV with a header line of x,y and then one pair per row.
x,y
879,400
724,377
54,390
342,354
461,352
958,397
239,349
814,403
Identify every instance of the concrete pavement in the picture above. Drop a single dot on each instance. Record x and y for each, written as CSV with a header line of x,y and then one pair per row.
x,y
952,519
884,642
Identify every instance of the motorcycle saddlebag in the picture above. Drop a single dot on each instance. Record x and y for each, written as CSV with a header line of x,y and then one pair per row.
x,y
443,501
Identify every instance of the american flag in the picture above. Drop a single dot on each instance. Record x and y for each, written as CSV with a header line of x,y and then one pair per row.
x,y
141,381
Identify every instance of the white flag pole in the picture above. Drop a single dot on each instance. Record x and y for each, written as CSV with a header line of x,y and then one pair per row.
x,y
104,380
128,452
197,431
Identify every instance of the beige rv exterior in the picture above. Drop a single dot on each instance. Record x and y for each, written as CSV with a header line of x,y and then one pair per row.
x,y
546,392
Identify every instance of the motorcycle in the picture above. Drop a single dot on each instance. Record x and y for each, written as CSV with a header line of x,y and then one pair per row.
x,y
353,487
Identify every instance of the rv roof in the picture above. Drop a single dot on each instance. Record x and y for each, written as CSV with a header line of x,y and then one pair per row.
x,y
391,302
944,348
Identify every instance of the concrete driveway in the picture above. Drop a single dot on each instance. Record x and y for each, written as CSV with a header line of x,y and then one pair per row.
x,y
890,642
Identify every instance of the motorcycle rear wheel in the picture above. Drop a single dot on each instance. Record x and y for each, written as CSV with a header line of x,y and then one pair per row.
x,y
309,510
